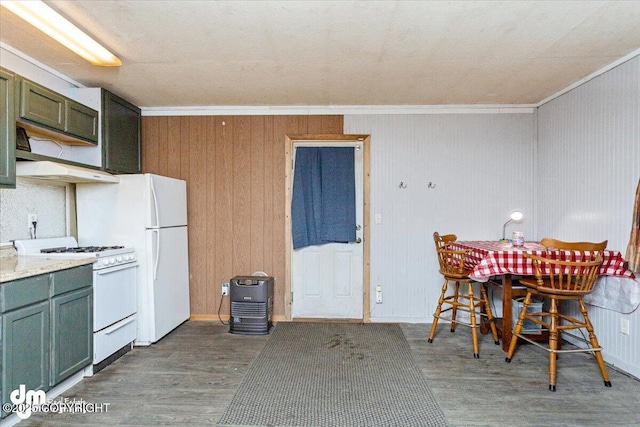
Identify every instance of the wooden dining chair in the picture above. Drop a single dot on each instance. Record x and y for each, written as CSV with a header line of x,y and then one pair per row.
x,y
453,270
559,278
583,250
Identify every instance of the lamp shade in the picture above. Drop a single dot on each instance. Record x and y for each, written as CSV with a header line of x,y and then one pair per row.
x,y
516,216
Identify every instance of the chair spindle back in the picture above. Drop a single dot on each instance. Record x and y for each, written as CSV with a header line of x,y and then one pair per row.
x,y
451,261
567,276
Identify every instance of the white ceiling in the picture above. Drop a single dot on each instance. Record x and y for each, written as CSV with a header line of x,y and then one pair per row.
x,y
325,53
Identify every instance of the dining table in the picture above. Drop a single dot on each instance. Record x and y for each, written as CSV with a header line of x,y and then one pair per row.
x,y
499,262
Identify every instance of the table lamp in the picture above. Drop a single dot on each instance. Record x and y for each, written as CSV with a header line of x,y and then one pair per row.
x,y
516,216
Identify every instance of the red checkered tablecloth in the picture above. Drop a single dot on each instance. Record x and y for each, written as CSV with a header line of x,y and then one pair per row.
x,y
491,258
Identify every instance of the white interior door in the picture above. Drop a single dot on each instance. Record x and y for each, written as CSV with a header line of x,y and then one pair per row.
x,y
327,280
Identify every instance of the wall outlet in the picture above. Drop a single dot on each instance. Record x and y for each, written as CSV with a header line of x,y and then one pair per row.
x,y
379,294
377,218
624,326
225,289
32,218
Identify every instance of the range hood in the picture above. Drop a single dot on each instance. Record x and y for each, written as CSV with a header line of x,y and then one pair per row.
x,y
60,172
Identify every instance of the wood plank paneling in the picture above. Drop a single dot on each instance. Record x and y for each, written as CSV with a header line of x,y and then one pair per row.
x,y
197,208
269,148
314,124
150,148
241,181
256,165
184,148
234,168
163,147
213,291
173,153
222,210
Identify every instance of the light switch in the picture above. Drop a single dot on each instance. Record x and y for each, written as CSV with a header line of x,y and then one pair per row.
x,y
378,218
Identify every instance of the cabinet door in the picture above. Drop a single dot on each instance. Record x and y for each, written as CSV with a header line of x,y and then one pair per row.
x,y
120,135
71,333
41,105
25,349
81,121
7,130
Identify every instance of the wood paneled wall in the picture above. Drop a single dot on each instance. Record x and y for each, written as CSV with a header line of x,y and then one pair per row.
x,y
235,173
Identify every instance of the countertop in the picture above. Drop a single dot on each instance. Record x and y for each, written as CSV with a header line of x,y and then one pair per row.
x,y
14,266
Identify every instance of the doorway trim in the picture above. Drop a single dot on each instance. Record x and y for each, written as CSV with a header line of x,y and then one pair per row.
x,y
328,138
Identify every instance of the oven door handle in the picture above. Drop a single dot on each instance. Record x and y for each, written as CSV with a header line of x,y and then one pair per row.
x,y
117,326
117,268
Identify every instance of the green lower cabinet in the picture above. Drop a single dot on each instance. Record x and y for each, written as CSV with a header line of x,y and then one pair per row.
x,y
26,336
71,333
46,329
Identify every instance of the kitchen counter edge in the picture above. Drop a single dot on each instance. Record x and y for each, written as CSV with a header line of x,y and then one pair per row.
x,y
15,267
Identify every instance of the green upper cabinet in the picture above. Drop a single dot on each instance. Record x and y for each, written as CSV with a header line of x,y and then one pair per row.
x,y
81,121
42,108
7,130
121,123
41,105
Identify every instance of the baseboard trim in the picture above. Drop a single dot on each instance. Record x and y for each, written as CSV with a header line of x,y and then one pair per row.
x,y
225,318
326,320
209,317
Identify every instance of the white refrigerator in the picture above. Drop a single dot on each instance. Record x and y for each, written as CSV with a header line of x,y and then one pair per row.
x,y
148,212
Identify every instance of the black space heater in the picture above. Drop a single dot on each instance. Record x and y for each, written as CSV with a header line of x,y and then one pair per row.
x,y
251,305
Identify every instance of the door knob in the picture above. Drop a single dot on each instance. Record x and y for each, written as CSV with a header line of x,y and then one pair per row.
x,y
358,240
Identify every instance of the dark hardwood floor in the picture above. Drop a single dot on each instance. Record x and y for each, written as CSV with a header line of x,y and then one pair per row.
x,y
190,376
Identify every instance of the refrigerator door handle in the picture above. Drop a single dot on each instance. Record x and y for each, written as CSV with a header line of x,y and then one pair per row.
x,y
157,254
155,202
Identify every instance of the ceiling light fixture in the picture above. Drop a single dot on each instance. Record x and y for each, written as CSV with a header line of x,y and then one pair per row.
x,y
47,20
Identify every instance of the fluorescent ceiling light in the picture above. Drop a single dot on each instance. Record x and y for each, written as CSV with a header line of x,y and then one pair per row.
x,y
59,28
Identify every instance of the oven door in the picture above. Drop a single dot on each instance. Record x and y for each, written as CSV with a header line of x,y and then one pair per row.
x,y
114,294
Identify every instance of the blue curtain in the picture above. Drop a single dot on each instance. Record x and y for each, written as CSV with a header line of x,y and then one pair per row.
x,y
323,204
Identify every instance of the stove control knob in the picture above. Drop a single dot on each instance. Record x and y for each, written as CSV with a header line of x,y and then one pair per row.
x,y
119,259
112,260
105,262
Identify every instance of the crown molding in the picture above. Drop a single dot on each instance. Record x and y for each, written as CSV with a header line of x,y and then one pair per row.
x,y
336,109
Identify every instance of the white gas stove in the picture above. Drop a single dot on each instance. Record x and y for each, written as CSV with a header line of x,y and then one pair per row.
x,y
114,291
67,247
